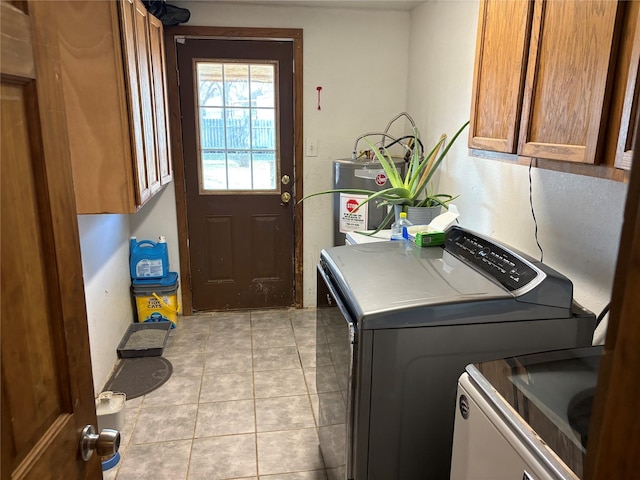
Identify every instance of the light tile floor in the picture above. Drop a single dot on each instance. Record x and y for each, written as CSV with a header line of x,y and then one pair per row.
x,y
241,403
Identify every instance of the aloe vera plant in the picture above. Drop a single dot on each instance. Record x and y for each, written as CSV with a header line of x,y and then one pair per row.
x,y
413,189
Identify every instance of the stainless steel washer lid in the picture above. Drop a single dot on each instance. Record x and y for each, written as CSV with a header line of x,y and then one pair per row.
x,y
383,277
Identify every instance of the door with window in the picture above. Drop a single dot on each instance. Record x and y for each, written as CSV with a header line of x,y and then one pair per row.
x,y
236,103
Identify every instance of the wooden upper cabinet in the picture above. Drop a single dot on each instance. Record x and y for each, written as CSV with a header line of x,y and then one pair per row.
x,y
573,48
129,45
500,68
160,98
143,59
111,81
557,80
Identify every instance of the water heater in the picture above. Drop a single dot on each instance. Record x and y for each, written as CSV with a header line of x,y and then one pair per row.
x,y
358,174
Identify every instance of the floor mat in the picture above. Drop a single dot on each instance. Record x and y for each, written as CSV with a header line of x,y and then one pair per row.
x,y
138,376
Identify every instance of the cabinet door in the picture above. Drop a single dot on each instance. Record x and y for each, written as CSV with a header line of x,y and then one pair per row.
x,y
573,47
156,41
629,117
501,57
130,52
141,30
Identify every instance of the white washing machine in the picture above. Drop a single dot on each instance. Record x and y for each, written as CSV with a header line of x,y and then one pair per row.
x,y
525,417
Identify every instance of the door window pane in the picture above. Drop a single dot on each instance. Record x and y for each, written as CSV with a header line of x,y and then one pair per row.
x,y
237,127
210,84
212,128
263,129
240,175
264,169
236,85
262,87
214,169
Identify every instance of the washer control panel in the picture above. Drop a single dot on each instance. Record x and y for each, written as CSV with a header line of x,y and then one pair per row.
x,y
509,269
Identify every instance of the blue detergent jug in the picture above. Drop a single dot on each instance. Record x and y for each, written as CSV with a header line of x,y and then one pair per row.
x,y
148,259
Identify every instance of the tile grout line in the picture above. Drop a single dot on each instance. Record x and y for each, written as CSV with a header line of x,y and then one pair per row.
x,y
309,393
253,385
195,424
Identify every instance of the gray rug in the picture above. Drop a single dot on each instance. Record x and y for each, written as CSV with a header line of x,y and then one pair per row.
x,y
138,376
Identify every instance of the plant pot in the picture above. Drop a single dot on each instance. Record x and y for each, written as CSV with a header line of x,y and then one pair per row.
x,y
419,215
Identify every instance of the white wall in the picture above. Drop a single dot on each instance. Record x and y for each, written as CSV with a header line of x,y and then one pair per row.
x,y
104,245
158,217
359,58
579,218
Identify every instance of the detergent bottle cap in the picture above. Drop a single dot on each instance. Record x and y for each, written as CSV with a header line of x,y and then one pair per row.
x,y
161,239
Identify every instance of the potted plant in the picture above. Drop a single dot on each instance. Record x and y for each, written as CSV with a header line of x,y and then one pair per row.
x,y
414,189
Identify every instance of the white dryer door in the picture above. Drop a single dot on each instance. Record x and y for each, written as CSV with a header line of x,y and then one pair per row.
x,y
485,447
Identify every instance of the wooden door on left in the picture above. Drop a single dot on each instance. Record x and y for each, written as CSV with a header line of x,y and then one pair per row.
x,y
47,387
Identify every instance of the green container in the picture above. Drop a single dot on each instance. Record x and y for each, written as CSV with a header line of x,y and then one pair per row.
x,y
429,239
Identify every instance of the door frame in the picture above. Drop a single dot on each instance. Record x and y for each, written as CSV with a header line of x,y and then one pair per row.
x,y
171,34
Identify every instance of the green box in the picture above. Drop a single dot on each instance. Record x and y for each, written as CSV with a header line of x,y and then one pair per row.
x,y
429,239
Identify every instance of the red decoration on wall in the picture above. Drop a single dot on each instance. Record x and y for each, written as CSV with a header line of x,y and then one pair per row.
x,y
319,90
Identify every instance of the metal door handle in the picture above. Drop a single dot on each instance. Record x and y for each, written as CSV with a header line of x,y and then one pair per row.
x,y
285,179
285,197
105,443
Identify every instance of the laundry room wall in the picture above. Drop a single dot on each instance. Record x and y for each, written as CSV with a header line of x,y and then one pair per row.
x,y
104,245
359,58
579,218
158,217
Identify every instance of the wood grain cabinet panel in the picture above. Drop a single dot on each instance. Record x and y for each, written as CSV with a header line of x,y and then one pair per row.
x,y
565,104
557,81
160,99
113,77
500,68
132,82
143,59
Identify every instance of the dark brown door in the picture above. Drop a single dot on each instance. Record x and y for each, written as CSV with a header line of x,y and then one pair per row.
x,y
236,101
47,389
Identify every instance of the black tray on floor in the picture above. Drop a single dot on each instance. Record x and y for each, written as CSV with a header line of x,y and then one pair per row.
x,y
144,340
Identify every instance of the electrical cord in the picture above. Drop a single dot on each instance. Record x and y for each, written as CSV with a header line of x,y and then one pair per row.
x,y
604,311
533,213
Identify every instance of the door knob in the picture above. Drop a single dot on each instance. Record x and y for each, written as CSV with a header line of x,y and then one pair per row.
x,y
285,197
105,443
285,179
